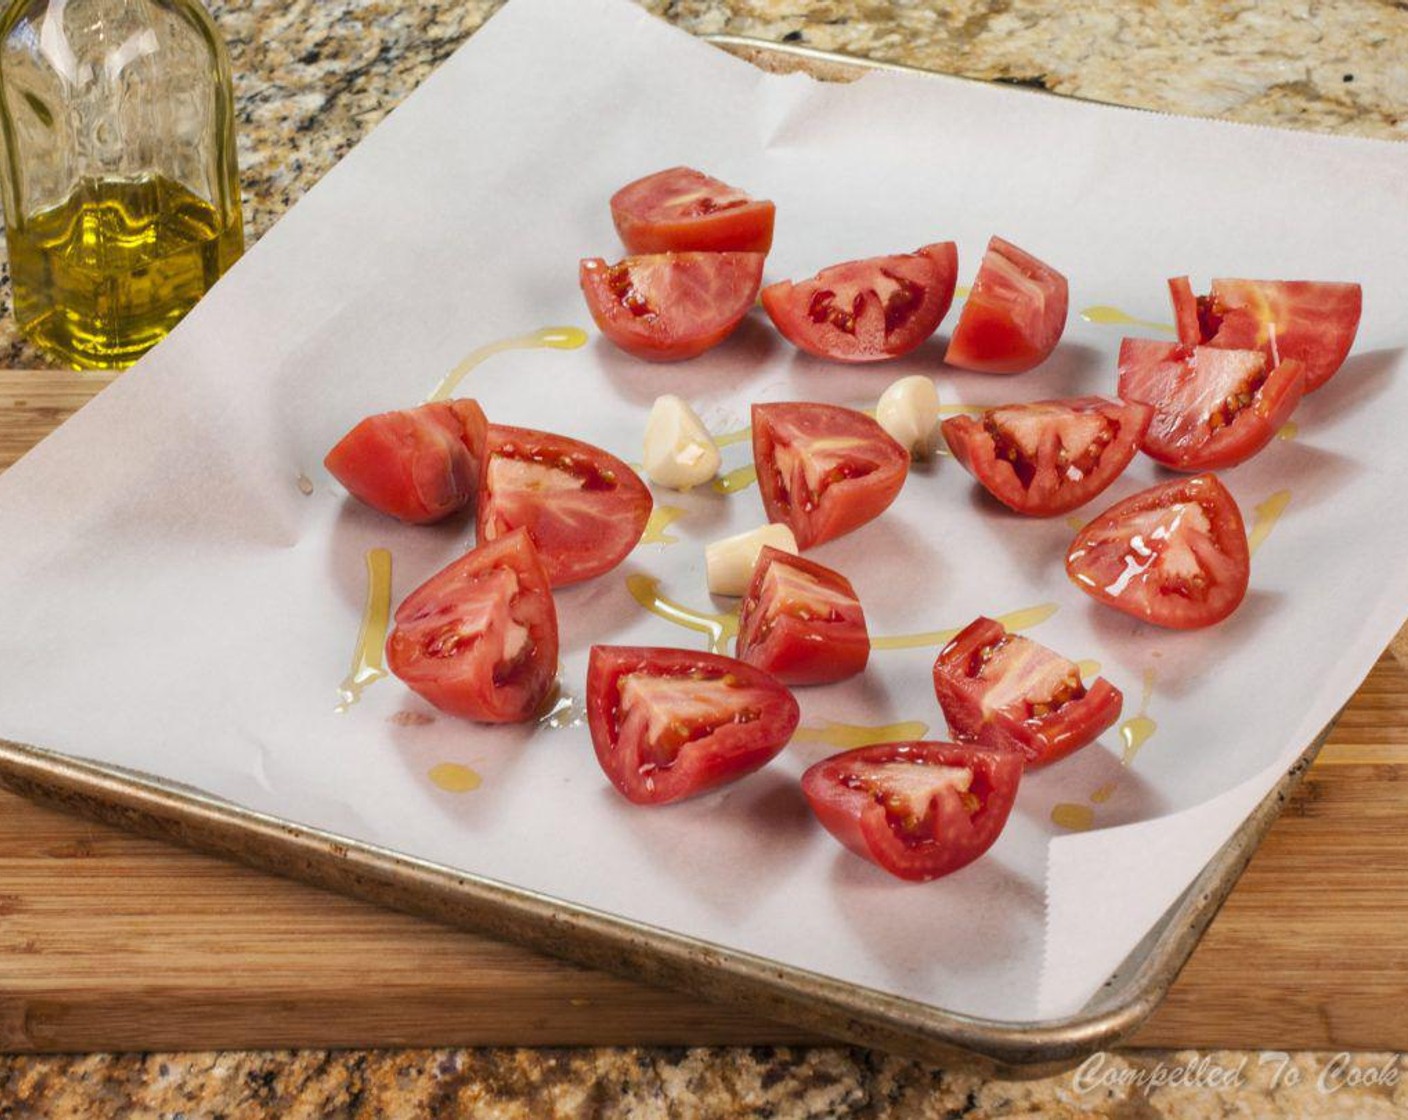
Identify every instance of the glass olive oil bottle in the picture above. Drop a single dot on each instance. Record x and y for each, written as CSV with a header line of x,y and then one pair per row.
x,y
120,184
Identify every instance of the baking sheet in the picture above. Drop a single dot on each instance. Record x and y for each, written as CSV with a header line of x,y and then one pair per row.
x,y
178,605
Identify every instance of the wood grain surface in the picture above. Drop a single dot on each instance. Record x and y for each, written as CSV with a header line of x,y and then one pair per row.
x,y
109,942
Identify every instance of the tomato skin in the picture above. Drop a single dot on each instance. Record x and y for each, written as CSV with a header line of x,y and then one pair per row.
x,y
1003,445
670,307
1197,424
1310,322
755,715
1174,555
994,688
846,793
418,465
479,638
1014,316
584,508
917,293
680,210
822,639
793,443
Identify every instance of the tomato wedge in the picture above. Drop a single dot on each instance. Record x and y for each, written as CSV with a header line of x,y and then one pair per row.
x,y
1004,690
418,465
1175,555
919,810
1306,321
682,209
583,507
671,306
824,470
870,310
801,622
670,723
1050,457
1014,316
479,638
1213,408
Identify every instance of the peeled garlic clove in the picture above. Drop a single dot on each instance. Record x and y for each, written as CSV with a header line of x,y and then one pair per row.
x,y
679,451
729,563
909,411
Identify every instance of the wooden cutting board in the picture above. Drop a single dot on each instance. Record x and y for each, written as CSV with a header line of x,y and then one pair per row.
x,y
109,942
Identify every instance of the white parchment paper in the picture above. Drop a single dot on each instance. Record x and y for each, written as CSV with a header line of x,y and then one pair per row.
x,y
171,601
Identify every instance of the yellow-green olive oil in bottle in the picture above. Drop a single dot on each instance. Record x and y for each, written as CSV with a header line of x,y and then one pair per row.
x,y
120,183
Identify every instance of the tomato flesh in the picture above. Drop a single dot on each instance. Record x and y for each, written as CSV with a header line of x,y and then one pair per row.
x,y
671,306
668,724
584,508
1013,317
681,209
479,638
418,465
824,470
1049,457
1309,322
801,622
1004,690
1213,407
1175,555
870,310
919,809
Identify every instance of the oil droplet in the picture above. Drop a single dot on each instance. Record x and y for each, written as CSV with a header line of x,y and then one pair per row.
x,y
454,778
1265,516
1075,818
728,439
1289,430
849,736
1113,316
561,710
1089,669
369,656
305,485
549,338
736,480
963,291
1075,522
1137,730
661,518
1023,619
411,719
719,628
1103,794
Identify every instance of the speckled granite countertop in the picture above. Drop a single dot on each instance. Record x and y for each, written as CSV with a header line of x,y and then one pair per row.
x,y
312,78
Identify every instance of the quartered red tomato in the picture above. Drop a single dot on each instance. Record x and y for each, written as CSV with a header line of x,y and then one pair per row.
x,y
1014,315
671,306
865,311
1175,555
1004,690
919,810
683,209
479,639
801,622
824,470
670,723
1308,322
583,507
419,465
1213,408
1050,457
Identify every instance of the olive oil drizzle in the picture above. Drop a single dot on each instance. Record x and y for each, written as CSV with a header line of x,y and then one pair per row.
x,y
728,439
305,485
719,628
369,656
852,736
736,480
454,778
656,529
1023,619
1137,730
1073,818
1289,430
1265,517
548,338
1114,317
